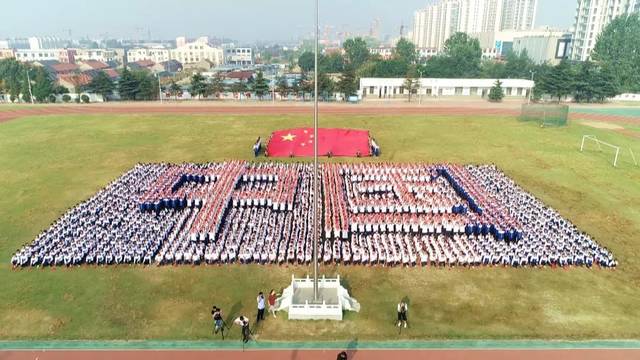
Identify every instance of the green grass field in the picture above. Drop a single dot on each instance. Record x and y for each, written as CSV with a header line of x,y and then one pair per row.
x,y
48,164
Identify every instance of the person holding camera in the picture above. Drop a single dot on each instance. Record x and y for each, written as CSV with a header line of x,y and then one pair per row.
x,y
402,313
218,322
261,306
243,322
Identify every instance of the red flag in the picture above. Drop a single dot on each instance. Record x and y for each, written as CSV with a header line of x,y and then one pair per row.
x,y
335,142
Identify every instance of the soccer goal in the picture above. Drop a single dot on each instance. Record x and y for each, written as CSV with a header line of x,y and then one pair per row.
x,y
600,143
547,115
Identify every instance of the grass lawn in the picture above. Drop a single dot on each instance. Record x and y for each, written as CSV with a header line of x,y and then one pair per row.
x,y
48,164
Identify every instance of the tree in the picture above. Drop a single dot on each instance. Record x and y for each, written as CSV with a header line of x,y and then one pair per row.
x,y
239,87
496,94
198,85
617,48
332,63
461,58
42,85
584,87
411,82
217,86
127,85
260,86
296,87
147,86
347,84
174,89
282,87
605,84
405,51
559,83
13,75
326,86
357,52
306,61
102,84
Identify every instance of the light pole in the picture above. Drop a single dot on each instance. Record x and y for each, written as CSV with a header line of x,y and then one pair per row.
x,y
315,159
531,90
159,88
29,84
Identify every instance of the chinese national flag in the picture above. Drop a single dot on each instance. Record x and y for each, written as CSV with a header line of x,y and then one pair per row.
x,y
337,142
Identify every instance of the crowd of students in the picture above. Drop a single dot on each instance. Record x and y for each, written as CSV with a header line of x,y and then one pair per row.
x,y
370,214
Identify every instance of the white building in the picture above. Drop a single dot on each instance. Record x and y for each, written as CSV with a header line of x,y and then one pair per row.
x,y
238,56
591,17
434,24
157,55
385,52
197,51
61,55
103,55
496,44
549,48
390,88
41,43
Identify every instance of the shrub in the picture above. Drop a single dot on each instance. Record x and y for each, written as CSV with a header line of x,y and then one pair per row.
x,y
52,98
66,98
85,98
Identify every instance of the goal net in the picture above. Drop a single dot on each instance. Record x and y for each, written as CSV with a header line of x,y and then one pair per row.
x,y
551,115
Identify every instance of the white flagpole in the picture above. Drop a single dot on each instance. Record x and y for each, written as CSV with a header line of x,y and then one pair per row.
x,y
315,161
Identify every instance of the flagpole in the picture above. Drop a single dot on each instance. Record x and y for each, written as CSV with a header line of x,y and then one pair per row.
x,y
315,160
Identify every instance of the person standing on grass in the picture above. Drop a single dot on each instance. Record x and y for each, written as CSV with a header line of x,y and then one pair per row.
x,y
261,305
216,313
402,313
243,322
272,302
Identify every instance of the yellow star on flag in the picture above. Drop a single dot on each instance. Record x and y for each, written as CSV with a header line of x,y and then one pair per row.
x,y
288,137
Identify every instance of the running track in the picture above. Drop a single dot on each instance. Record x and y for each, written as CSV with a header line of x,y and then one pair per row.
x,y
582,354
432,109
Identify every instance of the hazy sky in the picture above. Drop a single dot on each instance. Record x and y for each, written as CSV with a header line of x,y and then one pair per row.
x,y
244,20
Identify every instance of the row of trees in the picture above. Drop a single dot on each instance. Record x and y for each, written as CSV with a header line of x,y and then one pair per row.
x,y
17,77
615,65
201,88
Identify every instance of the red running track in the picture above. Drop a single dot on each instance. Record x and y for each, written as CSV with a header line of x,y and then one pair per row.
x,y
433,109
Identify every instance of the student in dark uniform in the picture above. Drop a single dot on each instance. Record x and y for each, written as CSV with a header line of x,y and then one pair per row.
x,y
403,308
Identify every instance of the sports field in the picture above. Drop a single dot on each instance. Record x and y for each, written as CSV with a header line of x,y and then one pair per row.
x,y
50,163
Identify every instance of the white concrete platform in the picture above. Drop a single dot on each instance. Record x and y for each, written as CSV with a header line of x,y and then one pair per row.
x,y
297,299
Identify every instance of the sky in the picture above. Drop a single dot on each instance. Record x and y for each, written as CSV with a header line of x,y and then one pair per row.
x,y
244,20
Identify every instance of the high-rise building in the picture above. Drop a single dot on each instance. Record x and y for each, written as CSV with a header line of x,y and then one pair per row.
x,y
518,14
592,16
434,24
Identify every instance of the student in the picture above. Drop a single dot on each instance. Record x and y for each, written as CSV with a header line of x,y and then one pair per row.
x,y
261,305
272,302
402,313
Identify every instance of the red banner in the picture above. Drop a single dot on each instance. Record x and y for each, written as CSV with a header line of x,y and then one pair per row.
x,y
331,142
